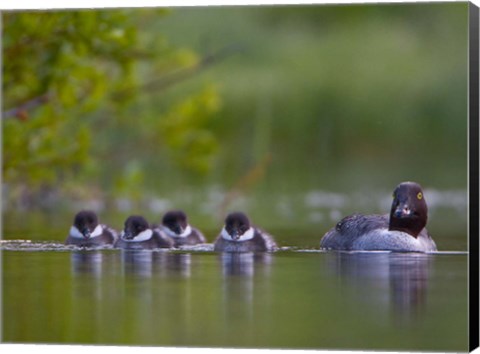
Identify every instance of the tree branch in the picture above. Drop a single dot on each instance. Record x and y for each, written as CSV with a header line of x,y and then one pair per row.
x,y
21,112
177,76
162,83
254,175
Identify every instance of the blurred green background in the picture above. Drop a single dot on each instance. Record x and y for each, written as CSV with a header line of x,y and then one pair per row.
x,y
296,114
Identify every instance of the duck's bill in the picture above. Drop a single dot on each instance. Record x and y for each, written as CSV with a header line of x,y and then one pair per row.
x,y
403,211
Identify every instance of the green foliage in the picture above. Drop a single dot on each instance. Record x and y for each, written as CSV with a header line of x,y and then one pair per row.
x,y
127,183
186,130
70,80
76,59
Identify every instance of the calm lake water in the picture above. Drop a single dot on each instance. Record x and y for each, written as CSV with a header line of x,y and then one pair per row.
x,y
288,299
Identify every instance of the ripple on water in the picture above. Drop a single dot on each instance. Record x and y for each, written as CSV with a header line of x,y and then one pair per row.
x,y
28,245
203,247
314,250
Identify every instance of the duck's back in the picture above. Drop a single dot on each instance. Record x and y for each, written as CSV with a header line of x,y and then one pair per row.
x,y
371,232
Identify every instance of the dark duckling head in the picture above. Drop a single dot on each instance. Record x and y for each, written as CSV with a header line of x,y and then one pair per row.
x,y
85,221
409,209
236,224
175,220
134,225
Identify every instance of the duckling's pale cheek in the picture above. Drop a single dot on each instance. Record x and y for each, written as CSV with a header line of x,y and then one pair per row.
x,y
247,235
74,232
185,232
226,235
142,236
169,231
97,231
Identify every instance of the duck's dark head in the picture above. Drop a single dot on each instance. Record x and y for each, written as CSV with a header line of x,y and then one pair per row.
x,y
175,220
134,225
236,224
409,209
85,221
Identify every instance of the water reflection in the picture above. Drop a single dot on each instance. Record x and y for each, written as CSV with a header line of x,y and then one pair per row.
x,y
138,263
90,269
89,291
243,274
145,263
178,264
244,264
285,299
87,262
395,282
157,291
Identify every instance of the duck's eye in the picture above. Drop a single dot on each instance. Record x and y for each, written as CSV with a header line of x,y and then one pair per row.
x,y
419,195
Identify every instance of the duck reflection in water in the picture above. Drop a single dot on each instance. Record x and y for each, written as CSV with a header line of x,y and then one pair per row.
x,y
88,289
395,282
145,263
138,262
87,262
234,263
245,283
178,264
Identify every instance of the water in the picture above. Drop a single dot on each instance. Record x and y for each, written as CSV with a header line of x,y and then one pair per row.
x,y
293,298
